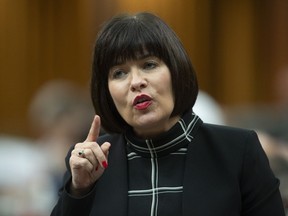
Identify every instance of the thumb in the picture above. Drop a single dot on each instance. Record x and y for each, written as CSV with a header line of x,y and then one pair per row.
x,y
105,148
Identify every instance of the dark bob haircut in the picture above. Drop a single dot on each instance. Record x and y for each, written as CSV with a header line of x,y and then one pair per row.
x,y
123,38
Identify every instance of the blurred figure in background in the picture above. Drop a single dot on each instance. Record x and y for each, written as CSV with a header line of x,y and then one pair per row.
x,y
60,115
271,124
270,118
26,188
209,109
277,152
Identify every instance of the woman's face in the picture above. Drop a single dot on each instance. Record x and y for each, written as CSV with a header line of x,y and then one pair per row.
x,y
142,93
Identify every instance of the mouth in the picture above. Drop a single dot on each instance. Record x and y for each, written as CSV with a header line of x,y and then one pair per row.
x,y
142,102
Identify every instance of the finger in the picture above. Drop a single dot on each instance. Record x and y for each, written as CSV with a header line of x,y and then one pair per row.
x,y
86,153
94,129
101,153
81,153
95,149
79,163
105,148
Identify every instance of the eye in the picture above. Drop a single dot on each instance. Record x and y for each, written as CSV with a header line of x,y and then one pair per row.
x,y
150,65
117,74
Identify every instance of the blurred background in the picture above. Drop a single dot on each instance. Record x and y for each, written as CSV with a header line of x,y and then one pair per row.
x,y
239,49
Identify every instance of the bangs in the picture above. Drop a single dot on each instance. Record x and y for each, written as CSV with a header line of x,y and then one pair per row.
x,y
131,41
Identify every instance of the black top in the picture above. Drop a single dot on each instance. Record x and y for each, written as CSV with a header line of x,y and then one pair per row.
x,y
226,173
156,169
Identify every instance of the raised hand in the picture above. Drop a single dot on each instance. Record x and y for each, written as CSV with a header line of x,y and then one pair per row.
x,y
88,161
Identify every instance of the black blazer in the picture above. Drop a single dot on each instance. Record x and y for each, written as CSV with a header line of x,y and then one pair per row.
x,y
227,174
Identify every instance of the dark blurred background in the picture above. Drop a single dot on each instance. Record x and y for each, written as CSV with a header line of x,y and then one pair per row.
x,y
237,47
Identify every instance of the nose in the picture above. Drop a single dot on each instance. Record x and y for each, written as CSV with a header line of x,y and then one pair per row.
x,y
138,81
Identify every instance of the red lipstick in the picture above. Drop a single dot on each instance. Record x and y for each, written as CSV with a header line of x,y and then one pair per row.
x,y
142,102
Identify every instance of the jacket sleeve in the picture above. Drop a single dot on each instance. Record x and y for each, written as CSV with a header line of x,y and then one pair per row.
x,y
260,188
68,205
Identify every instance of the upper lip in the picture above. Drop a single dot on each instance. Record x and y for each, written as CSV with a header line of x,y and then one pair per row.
x,y
141,98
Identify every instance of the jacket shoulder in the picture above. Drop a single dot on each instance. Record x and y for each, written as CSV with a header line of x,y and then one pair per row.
x,y
109,138
227,142
227,132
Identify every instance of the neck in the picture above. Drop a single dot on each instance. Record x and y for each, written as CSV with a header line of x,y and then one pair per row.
x,y
156,130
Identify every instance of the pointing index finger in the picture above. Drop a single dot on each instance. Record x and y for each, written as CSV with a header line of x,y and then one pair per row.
x,y
94,129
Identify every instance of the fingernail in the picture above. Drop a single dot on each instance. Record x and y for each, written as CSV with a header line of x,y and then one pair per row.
x,y
104,164
97,168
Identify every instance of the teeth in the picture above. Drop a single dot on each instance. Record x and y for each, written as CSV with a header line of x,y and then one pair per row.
x,y
141,100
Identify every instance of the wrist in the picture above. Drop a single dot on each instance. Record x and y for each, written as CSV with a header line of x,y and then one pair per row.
x,y
78,192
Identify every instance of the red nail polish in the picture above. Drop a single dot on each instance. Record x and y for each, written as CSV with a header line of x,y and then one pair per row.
x,y
104,164
97,168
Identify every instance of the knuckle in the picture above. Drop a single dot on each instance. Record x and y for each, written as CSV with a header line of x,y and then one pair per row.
x,y
77,164
78,145
74,151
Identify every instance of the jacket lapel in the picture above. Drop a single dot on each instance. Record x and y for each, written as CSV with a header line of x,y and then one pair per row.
x,y
113,185
190,179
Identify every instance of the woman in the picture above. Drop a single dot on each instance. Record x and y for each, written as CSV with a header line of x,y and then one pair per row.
x,y
158,157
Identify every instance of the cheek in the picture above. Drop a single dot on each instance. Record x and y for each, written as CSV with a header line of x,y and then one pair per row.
x,y
167,86
170,98
116,93
112,91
